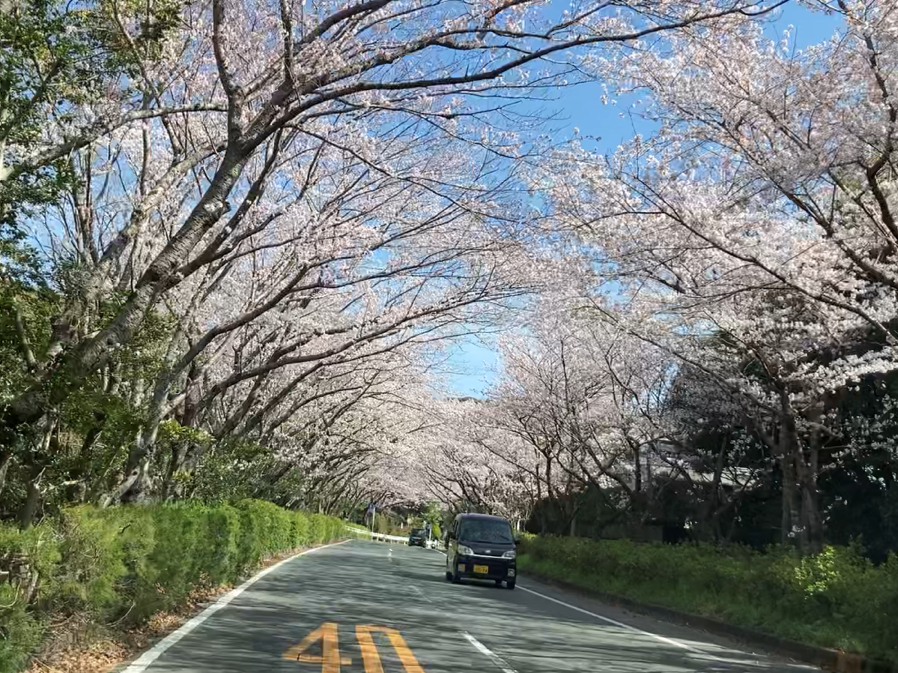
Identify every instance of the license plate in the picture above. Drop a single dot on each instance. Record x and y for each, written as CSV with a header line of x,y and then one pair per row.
x,y
482,570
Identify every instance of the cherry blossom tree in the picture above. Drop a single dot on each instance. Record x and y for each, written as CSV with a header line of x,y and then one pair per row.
x,y
739,258
217,148
279,189
751,235
464,468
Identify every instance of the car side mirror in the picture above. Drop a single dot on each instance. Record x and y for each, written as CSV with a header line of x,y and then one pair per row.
x,y
517,541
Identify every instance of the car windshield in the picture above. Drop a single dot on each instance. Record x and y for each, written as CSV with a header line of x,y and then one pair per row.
x,y
417,532
485,530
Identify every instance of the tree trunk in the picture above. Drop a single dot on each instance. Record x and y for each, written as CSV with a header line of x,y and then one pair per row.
x,y
70,369
136,487
808,468
81,468
5,460
36,462
649,486
190,458
32,497
708,496
174,464
813,533
791,523
184,459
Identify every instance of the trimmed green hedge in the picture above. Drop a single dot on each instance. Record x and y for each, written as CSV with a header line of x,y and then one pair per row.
x,y
20,632
836,599
127,563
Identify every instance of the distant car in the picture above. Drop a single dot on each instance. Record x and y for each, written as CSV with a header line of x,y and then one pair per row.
x,y
479,546
417,538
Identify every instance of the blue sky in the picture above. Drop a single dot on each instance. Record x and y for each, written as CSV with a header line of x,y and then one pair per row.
x,y
474,363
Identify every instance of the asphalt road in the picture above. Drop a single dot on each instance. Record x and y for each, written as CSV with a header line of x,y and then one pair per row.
x,y
366,607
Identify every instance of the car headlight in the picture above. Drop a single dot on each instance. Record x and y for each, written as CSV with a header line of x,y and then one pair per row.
x,y
510,554
467,551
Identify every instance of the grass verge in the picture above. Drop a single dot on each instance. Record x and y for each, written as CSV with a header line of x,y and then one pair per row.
x,y
78,645
836,599
124,566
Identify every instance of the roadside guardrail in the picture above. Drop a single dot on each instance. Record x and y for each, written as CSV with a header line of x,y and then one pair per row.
x,y
382,537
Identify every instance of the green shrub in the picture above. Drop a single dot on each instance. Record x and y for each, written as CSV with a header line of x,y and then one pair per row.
x,y
223,529
265,529
103,552
126,563
302,532
316,528
834,599
30,551
20,632
177,561
324,528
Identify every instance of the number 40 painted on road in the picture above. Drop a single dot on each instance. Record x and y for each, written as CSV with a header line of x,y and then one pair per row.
x,y
330,659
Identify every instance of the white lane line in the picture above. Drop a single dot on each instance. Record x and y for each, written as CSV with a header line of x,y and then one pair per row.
x,y
669,641
422,594
147,658
499,661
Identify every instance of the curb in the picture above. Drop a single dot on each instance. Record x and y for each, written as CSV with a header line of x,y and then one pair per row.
x,y
145,659
831,660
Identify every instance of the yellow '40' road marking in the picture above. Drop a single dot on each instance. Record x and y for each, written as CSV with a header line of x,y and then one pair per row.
x,y
330,659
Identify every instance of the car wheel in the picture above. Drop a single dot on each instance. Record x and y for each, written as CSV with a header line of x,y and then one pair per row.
x,y
510,584
455,578
448,576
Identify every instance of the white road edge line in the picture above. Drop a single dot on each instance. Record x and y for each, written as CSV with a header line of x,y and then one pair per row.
x,y
143,662
669,641
499,661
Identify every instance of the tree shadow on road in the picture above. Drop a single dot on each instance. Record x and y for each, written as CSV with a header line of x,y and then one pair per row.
x,y
364,583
